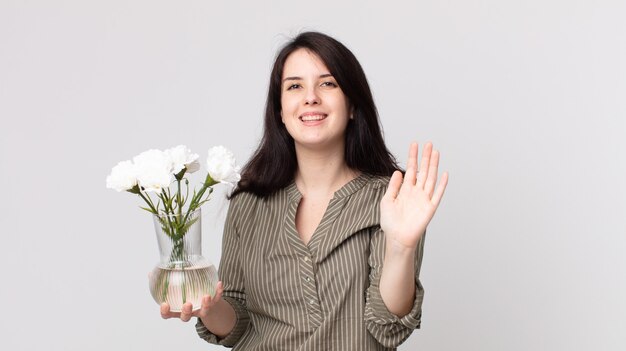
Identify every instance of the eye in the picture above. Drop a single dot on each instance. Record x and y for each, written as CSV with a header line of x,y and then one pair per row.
x,y
329,84
293,86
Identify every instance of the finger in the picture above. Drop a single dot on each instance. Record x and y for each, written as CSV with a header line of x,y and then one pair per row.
x,y
219,290
441,188
185,313
205,307
208,302
394,186
411,165
166,313
431,180
424,163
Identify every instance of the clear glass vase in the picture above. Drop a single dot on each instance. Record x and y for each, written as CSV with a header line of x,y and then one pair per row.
x,y
182,274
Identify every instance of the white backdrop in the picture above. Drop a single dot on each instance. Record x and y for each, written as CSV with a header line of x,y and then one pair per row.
x,y
525,100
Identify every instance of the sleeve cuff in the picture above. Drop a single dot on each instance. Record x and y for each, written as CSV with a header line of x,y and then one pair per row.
x,y
241,324
382,315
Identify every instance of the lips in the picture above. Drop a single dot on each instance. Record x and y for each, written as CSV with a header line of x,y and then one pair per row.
x,y
312,116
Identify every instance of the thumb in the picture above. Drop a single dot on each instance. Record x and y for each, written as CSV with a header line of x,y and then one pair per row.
x,y
393,188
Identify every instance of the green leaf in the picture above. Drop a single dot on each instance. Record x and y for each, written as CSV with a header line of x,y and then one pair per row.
x,y
188,225
202,203
147,209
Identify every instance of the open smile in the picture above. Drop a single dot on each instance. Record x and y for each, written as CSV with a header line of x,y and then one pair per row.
x,y
312,116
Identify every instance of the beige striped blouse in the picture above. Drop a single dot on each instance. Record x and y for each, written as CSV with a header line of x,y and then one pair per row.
x,y
319,296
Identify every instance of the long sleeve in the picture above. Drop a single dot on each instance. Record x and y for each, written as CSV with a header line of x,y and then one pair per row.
x,y
389,329
315,297
231,275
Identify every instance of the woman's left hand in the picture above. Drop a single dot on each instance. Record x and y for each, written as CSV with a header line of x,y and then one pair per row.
x,y
410,203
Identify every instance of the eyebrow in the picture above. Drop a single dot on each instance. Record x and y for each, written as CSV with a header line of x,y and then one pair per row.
x,y
300,78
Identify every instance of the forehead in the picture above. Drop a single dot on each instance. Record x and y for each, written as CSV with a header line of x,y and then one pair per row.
x,y
302,62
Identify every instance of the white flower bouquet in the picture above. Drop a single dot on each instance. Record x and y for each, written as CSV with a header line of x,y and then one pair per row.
x,y
153,171
183,274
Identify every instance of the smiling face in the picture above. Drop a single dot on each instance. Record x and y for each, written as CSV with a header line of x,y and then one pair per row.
x,y
315,110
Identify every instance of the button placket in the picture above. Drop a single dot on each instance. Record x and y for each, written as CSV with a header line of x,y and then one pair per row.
x,y
309,286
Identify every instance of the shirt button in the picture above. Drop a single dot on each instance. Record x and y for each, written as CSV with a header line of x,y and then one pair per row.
x,y
312,302
306,259
308,279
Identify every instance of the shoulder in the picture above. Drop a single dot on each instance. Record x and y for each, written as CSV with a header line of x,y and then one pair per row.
x,y
248,213
242,201
378,181
247,204
375,184
240,208
370,191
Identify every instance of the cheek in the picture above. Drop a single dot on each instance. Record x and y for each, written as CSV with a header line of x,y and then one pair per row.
x,y
340,103
343,108
286,108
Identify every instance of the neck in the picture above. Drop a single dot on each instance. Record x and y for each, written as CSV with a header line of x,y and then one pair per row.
x,y
322,172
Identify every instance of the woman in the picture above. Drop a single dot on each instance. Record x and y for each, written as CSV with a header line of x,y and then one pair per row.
x,y
321,249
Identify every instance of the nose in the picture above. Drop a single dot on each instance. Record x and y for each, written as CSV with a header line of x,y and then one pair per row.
x,y
311,97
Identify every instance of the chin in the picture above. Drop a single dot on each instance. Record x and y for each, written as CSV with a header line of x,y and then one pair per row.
x,y
318,143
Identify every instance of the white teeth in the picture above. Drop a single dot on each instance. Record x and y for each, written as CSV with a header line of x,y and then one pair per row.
x,y
312,118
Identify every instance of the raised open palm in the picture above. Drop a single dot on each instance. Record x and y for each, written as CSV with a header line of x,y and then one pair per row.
x,y
411,201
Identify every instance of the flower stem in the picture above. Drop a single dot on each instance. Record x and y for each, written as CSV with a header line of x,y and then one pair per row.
x,y
149,202
179,200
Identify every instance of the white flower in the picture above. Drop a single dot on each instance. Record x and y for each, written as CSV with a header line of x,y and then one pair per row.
x,y
181,157
123,177
222,166
154,170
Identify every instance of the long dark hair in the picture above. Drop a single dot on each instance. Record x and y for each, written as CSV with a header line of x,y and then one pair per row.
x,y
273,165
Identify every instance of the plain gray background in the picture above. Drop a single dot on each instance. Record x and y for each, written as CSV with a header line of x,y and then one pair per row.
x,y
525,100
